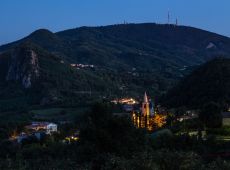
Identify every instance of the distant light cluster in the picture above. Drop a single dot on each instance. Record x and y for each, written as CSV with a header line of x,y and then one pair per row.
x,y
129,101
78,66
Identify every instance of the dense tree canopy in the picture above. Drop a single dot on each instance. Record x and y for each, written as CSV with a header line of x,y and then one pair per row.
x,y
209,83
211,116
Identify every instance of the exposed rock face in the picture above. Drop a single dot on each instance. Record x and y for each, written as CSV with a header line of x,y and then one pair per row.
x,y
23,67
211,46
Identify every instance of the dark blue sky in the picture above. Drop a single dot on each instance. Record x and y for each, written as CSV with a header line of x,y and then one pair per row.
x,y
18,18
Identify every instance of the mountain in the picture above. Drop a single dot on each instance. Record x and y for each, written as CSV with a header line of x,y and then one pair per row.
x,y
115,60
132,45
209,83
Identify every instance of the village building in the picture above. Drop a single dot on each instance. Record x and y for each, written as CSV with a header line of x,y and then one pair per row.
x,y
226,118
43,126
147,117
189,115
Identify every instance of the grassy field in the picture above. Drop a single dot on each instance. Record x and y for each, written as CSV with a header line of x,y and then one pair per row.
x,y
14,118
58,114
51,114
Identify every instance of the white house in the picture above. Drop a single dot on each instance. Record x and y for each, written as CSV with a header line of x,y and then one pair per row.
x,y
50,128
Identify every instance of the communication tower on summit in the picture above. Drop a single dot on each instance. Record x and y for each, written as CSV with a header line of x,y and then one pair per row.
x,y
168,17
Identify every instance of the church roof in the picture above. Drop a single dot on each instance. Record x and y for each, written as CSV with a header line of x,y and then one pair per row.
x,y
145,98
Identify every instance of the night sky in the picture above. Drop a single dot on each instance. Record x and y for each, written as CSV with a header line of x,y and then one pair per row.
x,y
18,18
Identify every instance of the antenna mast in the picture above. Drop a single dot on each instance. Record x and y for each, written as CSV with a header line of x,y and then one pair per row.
x,y
168,17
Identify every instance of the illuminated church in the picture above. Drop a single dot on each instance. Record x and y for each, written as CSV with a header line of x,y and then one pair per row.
x,y
147,117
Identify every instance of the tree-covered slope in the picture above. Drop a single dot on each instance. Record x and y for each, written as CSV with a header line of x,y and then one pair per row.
x,y
209,83
32,76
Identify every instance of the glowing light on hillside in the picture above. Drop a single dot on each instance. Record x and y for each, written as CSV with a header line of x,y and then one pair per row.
x,y
129,101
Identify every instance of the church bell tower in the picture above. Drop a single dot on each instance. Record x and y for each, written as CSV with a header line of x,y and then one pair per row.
x,y
145,106
145,112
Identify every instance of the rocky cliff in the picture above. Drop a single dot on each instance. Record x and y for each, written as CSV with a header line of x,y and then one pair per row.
x,y
23,67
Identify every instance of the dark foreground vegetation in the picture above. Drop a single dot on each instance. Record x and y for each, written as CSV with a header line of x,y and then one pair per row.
x,y
108,142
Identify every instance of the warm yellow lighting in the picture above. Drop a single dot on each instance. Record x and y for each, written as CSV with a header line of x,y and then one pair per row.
x,y
72,138
159,120
129,101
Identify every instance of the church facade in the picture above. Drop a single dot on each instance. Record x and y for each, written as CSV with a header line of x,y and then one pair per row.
x,y
147,117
